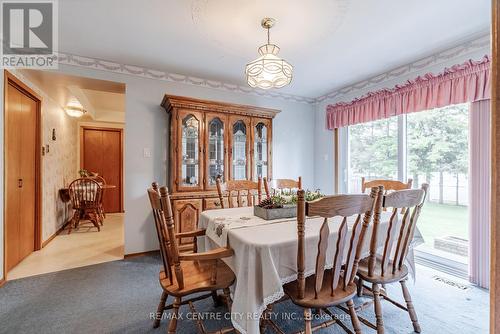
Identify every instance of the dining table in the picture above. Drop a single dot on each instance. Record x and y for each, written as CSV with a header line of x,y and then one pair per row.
x,y
265,255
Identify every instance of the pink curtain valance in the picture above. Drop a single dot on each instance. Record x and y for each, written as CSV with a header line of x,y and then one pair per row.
x,y
468,82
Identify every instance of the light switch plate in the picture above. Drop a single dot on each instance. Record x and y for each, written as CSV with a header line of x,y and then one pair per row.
x,y
147,152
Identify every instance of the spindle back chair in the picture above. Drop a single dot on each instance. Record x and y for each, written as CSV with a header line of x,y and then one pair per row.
x,y
102,182
387,265
278,185
245,192
85,194
330,287
186,274
389,185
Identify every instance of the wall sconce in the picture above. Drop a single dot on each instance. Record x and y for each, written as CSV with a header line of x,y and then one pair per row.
x,y
75,109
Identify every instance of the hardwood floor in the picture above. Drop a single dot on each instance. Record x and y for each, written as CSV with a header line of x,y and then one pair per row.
x,y
84,246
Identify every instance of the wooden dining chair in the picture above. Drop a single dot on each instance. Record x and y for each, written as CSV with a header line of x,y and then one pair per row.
x,y
331,287
186,274
101,181
281,184
387,265
245,192
85,194
389,185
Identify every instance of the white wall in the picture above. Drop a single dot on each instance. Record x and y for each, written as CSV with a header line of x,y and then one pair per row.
x,y
147,126
323,138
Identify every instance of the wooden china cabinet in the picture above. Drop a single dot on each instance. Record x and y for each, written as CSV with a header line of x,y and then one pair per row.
x,y
210,139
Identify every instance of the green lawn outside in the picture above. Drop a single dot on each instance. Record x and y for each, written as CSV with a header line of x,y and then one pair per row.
x,y
439,220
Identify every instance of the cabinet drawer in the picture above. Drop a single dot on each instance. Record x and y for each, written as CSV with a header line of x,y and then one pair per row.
x,y
214,203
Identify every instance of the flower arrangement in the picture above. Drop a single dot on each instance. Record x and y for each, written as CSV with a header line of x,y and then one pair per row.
x,y
285,199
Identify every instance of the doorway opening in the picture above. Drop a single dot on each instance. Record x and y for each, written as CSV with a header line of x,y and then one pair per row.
x,y
66,155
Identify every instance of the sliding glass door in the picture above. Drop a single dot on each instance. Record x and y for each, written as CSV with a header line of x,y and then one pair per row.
x,y
373,152
438,154
429,146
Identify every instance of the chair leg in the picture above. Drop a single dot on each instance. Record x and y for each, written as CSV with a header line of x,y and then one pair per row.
x,y
354,317
159,311
227,297
215,298
172,325
102,215
76,216
94,218
359,287
265,318
409,306
378,308
308,320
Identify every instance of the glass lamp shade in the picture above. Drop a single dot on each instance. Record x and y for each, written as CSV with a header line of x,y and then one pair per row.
x,y
74,109
269,70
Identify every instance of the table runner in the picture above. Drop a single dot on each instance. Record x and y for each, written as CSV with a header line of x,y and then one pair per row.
x,y
218,227
265,256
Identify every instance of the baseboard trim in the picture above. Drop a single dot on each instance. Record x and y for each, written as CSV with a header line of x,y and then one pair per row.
x,y
2,282
46,242
151,252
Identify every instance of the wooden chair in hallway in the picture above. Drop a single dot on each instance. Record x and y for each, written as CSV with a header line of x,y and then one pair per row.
x,y
86,195
387,265
331,287
186,274
244,192
102,213
281,184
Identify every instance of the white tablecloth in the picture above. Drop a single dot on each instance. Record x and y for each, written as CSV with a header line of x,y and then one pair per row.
x,y
265,256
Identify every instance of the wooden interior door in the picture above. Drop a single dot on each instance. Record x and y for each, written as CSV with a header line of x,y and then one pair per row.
x,y
21,165
101,152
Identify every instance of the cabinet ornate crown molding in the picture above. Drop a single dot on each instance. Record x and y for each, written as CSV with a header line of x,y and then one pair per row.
x,y
210,139
174,101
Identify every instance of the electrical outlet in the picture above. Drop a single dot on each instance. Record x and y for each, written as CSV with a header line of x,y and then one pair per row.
x,y
147,152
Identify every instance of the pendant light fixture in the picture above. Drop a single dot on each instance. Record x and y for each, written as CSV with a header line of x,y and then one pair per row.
x,y
269,70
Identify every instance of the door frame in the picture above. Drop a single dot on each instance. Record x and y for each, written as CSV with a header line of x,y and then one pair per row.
x,y
82,151
10,78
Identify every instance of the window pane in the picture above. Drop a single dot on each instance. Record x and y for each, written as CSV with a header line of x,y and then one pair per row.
x,y
239,151
190,130
260,149
373,152
438,155
215,150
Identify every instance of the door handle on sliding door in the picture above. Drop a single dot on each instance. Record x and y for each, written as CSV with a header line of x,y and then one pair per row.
x,y
20,183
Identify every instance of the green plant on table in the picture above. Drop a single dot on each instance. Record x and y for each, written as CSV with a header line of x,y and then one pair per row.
x,y
288,198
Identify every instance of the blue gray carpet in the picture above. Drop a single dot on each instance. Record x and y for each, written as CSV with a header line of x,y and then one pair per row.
x,y
118,297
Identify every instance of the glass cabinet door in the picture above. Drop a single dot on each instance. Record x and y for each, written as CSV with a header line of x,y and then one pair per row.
x,y
215,151
239,150
190,151
260,150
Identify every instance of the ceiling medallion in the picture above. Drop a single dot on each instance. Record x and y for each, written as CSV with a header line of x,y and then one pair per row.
x,y
269,70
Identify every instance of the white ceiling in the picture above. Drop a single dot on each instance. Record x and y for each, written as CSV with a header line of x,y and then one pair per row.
x,y
331,43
